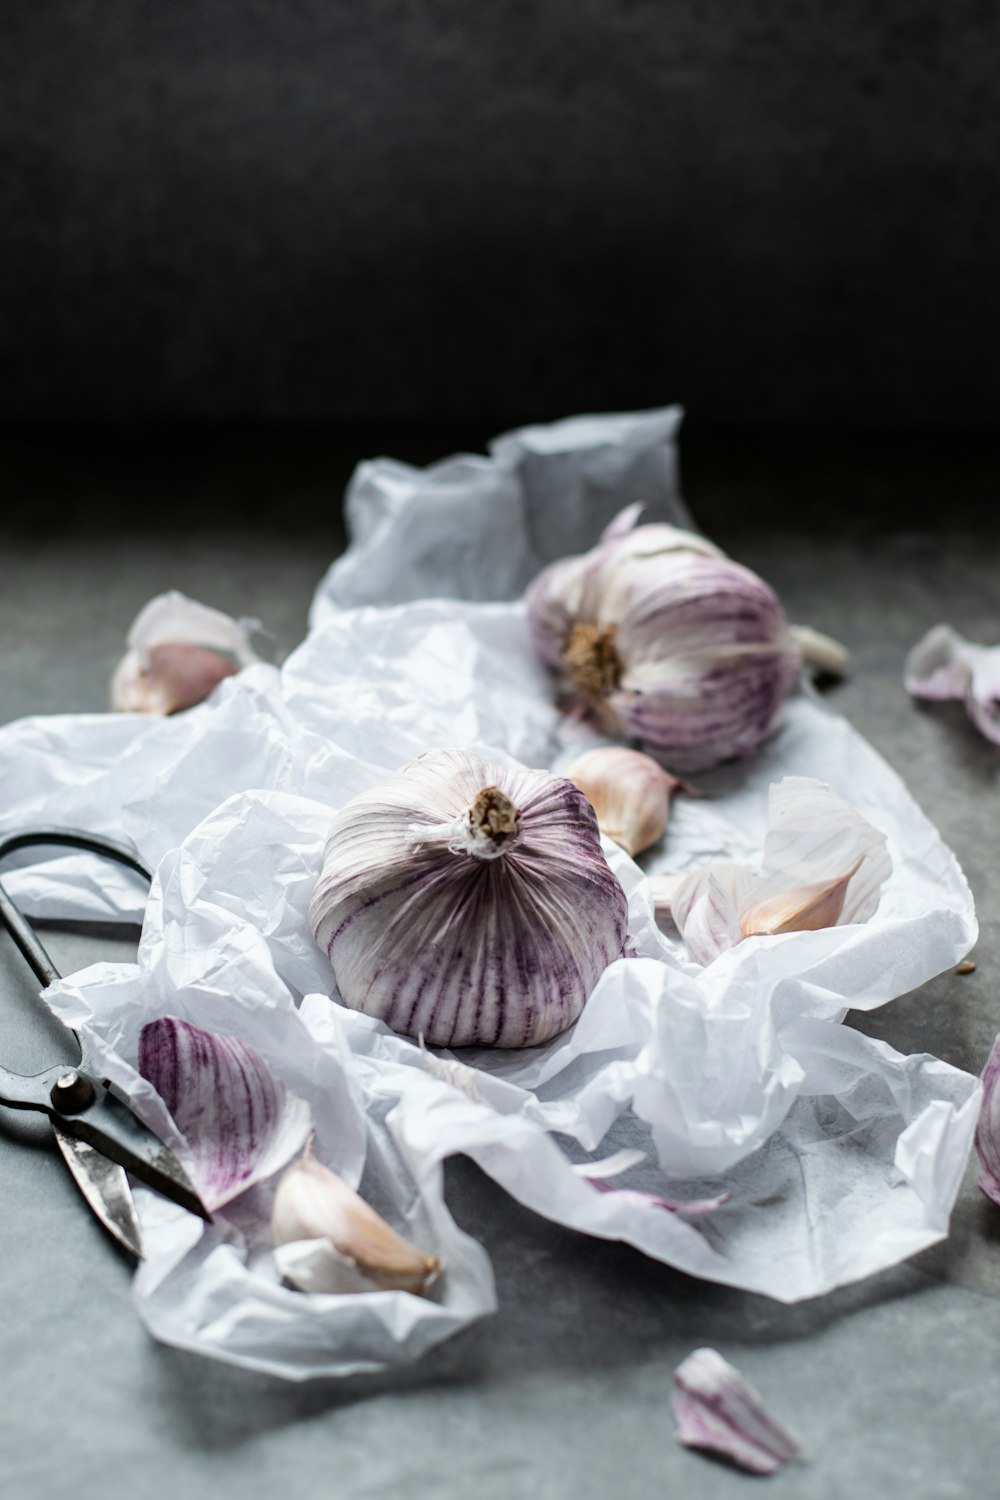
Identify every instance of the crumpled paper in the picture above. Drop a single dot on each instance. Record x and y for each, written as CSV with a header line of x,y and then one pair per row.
x,y
840,1156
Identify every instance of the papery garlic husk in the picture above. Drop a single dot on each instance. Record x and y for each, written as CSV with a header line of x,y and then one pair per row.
x,y
345,1233
468,902
715,1408
659,639
987,1137
823,865
943,665
174,659
239,1120
629,792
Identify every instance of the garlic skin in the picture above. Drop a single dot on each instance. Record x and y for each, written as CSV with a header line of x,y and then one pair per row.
x,y
658,638
987,1137
715,1408
943,665
239,1120
823,865
628,791
173,661
468,902
345,1233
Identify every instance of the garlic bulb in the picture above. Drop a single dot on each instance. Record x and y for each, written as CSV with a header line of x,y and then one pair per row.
x,y
173,659
336,1231
659,638
628,791
469,903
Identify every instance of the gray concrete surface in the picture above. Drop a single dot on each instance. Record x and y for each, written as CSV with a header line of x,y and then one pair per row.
x,y
892,1385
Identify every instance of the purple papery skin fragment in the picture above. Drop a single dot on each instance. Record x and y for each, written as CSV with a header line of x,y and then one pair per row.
x,y
223,1097
987,1137
716,1409
687,1207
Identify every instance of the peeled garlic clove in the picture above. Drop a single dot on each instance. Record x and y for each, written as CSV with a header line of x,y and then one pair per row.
x,y
468,902
987,1138
629,793
805,908
238,1119
715,1408
312,1203
167,680
174,658
670,645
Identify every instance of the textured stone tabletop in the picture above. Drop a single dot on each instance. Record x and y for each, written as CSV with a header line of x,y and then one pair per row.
x,y
891,1385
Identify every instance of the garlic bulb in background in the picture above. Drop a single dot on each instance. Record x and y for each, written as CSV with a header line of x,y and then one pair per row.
x,y
660,639
629,793
326,1236
173,659
468,903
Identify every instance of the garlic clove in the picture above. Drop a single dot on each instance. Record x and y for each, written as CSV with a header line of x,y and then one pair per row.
x,y
825,656
812,838
805,908
167,680
239,1121
628,791
315,1266
313,1203
987,1137
174,658
715,1408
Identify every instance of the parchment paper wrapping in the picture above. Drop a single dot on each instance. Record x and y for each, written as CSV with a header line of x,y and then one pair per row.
x,y
840,1156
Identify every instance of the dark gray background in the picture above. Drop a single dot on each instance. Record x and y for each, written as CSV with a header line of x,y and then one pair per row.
x,y
423,212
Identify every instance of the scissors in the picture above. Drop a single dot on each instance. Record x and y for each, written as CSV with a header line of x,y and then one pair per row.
x,y
99,1136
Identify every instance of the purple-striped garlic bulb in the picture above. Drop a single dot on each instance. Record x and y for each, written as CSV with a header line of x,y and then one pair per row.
x,y
659,639
468,903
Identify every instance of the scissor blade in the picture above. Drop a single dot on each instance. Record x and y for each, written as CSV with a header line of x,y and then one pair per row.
x,y
104,1185
114,1130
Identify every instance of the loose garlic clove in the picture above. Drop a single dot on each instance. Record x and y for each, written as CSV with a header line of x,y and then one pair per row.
x,y
629,793
312,1203
167,679
175,655
805,908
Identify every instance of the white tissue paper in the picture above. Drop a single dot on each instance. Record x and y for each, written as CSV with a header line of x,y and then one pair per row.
x,y
836,1156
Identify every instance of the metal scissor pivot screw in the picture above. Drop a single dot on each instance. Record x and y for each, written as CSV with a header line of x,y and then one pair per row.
x,y
72,1093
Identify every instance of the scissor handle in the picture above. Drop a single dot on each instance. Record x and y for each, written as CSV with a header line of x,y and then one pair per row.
x,y
13,918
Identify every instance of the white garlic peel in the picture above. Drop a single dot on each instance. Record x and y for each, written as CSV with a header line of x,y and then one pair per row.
x,y
173,659
328,1239
662,641
468,902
